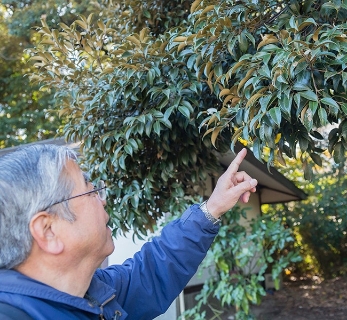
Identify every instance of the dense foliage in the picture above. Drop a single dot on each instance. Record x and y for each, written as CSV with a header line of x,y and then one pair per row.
x,y
26,112
319,222
24,109
278,68
140,85
241,258
135,107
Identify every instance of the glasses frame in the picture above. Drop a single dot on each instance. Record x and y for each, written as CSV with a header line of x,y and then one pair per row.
x,y
99,189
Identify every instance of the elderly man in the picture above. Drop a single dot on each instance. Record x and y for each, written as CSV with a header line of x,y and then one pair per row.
x,y
54,236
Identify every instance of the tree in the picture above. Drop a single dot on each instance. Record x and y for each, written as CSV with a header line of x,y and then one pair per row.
x,y
144,88
149,132
26,14
154,90
26,112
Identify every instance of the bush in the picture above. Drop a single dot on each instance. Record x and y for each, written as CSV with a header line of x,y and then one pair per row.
x,y
241,257
319,224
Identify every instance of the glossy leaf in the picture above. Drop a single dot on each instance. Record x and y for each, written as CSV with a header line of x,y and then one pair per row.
x,y
275,114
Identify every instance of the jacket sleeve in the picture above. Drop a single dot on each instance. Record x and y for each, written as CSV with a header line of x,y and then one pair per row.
x,y
148,283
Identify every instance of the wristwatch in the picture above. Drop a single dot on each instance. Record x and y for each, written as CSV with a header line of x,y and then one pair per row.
x,y
208,215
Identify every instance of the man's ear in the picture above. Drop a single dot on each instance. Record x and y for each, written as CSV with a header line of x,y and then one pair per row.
x,y
42,228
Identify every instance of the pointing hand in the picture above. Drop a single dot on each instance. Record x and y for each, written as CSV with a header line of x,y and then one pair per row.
x,y
231,187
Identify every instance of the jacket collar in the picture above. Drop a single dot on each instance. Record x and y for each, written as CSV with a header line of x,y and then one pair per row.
x,y
98,294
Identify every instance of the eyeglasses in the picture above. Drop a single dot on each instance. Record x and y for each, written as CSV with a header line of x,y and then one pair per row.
x,y
99,189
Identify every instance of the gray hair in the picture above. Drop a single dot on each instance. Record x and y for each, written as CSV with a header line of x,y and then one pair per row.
x,y
32,178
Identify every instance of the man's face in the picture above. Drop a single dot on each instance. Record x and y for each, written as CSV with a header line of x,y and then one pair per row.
x,y
87,238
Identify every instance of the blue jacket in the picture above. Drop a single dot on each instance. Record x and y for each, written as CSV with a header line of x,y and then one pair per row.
x,y
140,289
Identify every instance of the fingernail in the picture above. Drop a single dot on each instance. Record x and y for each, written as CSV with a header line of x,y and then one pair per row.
x,y
253,182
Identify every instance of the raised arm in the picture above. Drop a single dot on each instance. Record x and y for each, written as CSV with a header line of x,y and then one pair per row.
x,y
148,283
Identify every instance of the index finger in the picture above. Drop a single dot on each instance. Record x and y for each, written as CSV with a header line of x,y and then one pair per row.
x,y
235,164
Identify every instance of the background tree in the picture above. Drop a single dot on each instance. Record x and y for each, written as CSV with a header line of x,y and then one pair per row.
x,y
319,222
26,113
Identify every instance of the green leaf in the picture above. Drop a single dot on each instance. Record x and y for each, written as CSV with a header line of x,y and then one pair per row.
x,y
333,138
126,54
339,152
292,23
343,128
243,43
250,37
166,122
344,108
168,112
133,143
128,149
257,151
156,127
309,95
303,143
185,111
163,103
121,162
263,56
300,67
308,172
191,61
188,105
276,115
150,77
269,138
297,99
308,120
316,158
313,105
286,104
323,117
330,102
264,102
317,135
282,79
147,14
329,5
265,71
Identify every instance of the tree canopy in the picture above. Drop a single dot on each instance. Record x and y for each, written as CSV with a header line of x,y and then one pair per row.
x,y
26,112
153,89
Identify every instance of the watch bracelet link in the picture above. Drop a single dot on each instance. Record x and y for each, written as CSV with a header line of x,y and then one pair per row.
x,y
208,215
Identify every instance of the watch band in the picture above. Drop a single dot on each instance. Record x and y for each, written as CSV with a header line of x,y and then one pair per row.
x,y
208,215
